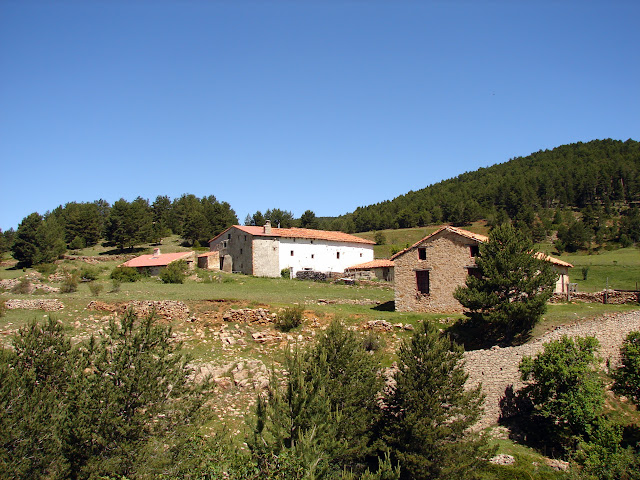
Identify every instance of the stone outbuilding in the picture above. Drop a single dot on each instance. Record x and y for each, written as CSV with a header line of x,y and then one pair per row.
x,y
209,261
155,262
265,251
427,273
381,268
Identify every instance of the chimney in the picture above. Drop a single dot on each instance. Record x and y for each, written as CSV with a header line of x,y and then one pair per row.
x,y
156,252
267,227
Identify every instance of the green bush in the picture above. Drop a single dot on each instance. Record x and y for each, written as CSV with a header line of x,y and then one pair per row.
x,y
95,288
290,318
90,273
115,285
627,376
373,342
285,273
46,269
70,282
23,287
175,272
125,274
77,243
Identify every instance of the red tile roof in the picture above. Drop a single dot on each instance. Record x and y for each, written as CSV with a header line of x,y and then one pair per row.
x,y
378,263
298,233
161,260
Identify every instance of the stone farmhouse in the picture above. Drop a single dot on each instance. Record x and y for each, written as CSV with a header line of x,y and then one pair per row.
x,y
265,251
155,262
428,272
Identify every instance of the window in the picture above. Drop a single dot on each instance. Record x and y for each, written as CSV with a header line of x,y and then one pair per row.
x,y
360,255
245,238
240,251
474,250
228,236
338,255
474,272
312,255
422,253
422,281
292,253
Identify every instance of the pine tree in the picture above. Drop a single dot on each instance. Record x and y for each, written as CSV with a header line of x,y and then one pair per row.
x,y
25,245
513,286
428,412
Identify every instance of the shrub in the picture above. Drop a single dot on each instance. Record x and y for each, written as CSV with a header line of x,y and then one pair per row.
x,y
70,282
115,285
90,273
290,318
373,342
23,287
77,243
95,288
125,274
379,238
627,376
285,273
175,272
46,269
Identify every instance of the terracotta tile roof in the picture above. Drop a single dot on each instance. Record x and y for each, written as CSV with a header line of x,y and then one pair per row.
x,y
152,260
299,233
481,239
209,254
459,231
378,263
556,261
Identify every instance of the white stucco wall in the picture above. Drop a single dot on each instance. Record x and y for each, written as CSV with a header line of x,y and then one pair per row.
x,y
321,255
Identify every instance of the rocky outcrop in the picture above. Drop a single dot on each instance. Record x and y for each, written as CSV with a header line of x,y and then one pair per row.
x,y
260,316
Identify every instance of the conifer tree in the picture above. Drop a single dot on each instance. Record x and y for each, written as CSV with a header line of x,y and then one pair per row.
x,y
513,286
428,413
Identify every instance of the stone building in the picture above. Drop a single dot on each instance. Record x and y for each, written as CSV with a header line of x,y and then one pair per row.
x,y
209,261
265,251
427,273
155,262
381,268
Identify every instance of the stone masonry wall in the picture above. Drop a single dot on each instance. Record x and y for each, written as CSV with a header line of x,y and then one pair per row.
x,y
447,257
497,368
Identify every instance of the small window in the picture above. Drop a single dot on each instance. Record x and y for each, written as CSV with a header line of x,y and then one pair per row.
x,y
312,242
338,255
474,272
245,238
240,251
422,253
474,250
292,253
312,255
228,236
422,281
361,255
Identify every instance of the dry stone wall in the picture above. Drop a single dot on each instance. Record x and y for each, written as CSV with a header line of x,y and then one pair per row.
x,y
497,368
48,304
167,309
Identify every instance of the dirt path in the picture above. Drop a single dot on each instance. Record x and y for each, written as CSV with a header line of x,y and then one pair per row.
x,y
497,368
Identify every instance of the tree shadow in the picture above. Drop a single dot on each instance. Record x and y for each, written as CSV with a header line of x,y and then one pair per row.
x,y
475,334
526,427
389,306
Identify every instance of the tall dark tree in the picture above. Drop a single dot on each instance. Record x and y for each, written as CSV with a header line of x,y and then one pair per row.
x,y
308,220
25,245
513,284
428,412
49,240
279,218
129,224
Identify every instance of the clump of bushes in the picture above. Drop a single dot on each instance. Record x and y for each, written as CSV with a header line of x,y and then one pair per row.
x,y
372,342
290,318
89,273
285,273
46,269
175,272
23,287
95,288
125,274
70,282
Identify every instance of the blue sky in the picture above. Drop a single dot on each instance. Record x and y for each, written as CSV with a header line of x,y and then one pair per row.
x,y
321,105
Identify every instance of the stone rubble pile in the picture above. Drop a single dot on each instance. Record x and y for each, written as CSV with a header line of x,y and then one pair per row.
x,y
34,284
310,275
246,374
48,304
260,316
167,309
383,325
346,301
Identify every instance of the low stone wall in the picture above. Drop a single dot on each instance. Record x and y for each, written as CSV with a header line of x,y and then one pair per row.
x,y
167,309
93,260
48,304
612,297
250,315
497,368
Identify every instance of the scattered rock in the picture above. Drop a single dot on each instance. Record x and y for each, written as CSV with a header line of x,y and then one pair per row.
x,y
49,304
248,315
502,459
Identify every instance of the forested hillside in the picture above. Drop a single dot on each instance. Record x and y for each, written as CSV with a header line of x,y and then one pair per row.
x,y
601,178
